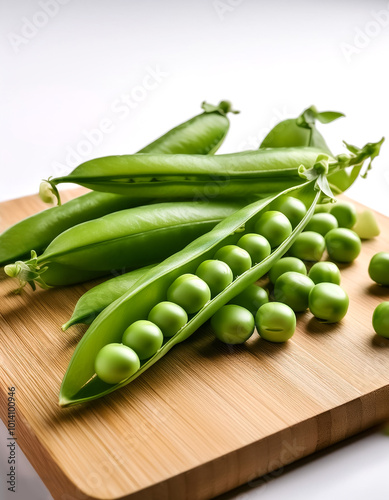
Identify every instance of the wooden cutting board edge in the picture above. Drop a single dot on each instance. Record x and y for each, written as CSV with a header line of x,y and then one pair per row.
x,y
264,458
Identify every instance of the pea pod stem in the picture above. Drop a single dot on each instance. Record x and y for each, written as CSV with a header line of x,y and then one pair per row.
x,y
202,134
80,383
257,173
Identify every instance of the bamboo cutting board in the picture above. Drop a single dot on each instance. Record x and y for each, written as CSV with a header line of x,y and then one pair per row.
x,y
207,417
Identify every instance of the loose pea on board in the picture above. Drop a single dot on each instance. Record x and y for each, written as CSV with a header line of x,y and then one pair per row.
x,y
328,302
381,319
345,213
379,268
293,290
343,245
308,246
275,322
284,265
80,383
325,272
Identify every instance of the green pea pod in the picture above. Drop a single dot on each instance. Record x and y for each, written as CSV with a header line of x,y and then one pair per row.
x,y
202,134
95,300
301,131
127,239
258,173
81,384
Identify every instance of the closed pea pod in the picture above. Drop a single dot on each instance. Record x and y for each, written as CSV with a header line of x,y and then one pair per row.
x,y
80,383
257,173
302,131
202,134
123,240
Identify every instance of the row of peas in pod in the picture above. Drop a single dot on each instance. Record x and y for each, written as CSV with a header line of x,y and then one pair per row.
x,y
189,293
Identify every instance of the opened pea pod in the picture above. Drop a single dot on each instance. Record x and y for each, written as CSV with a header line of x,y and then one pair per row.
x,y
202,134
101,349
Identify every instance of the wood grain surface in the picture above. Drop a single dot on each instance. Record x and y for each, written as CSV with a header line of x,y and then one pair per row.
x,y
207,417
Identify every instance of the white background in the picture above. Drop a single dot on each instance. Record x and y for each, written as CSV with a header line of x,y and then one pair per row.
x,y
67,75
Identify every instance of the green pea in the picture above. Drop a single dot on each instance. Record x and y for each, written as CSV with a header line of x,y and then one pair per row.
x,y
322,223
308,246
381,319
115,363
328,302
144,337
284,265
325,272
190,292
252,298
345,213
322,208
379,268
216,274
233,324
274,226
275,322
169,317
256,245
293,208
343,245
366,226
293,290
235,257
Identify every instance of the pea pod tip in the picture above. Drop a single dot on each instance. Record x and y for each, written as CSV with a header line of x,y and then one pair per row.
x,y
48,192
